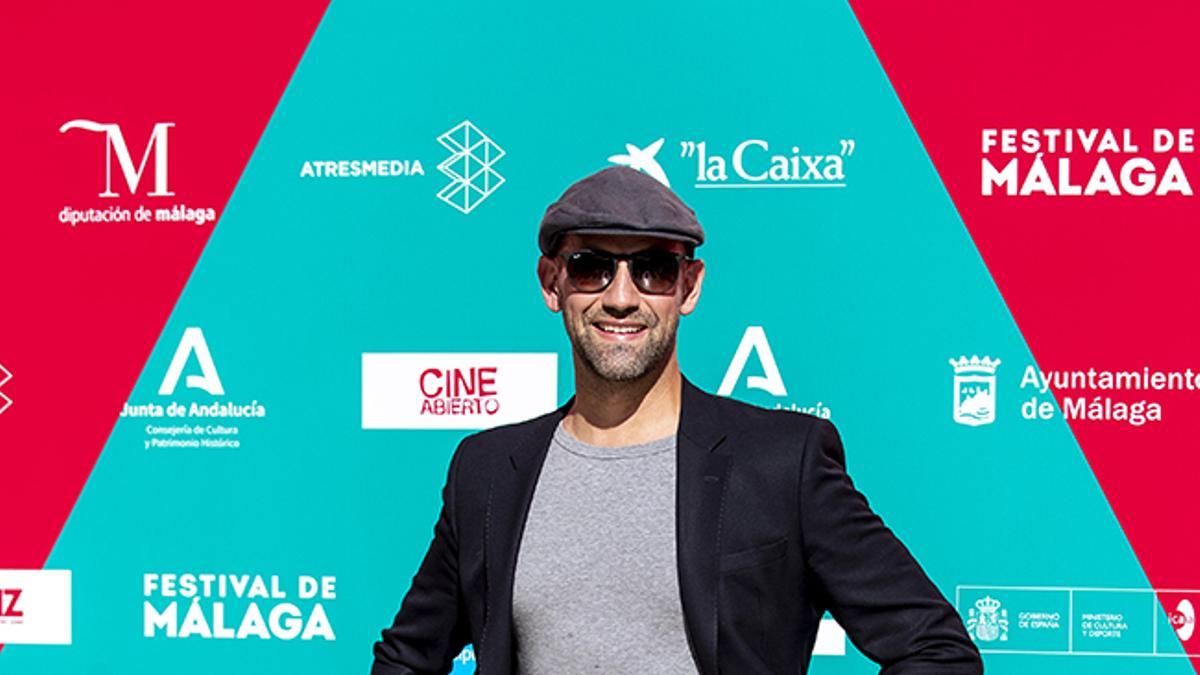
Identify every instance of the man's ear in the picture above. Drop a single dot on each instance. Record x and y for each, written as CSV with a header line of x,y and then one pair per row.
x,y
547,272
693,277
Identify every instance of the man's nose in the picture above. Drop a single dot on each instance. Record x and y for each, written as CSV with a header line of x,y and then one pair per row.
x,y
622,294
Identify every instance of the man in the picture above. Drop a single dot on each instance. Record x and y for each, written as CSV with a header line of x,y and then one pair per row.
x,y
647,526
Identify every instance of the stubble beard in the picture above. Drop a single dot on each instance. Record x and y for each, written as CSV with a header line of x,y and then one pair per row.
x,y
619,362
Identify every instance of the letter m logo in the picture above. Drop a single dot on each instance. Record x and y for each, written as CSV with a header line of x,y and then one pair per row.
x,y
115,146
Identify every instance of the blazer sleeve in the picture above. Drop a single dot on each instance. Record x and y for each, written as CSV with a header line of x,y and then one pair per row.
x,y
873,586
430,628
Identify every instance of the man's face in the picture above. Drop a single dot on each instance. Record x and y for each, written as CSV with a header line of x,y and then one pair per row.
x,y
592,319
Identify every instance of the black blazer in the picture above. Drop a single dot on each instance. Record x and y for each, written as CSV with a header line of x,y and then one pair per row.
x,y
771,532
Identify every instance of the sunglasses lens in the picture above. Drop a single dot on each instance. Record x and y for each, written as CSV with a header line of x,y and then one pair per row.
x,y
655,271
590,272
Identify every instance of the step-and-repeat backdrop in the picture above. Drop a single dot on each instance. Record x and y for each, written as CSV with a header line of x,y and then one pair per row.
x,y
262,268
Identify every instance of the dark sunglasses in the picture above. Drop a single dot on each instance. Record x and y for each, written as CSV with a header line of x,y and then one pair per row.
x,y
654,271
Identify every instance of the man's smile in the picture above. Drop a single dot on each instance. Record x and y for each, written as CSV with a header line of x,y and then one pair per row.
x,y
618,331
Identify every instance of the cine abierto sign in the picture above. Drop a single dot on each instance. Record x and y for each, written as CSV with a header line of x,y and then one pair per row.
x,y
456,390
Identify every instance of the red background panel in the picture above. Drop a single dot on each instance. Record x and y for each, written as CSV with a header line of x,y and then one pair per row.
x,y
81,308
1105,282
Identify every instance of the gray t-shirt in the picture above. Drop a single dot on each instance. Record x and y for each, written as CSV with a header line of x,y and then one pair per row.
x,y
596,585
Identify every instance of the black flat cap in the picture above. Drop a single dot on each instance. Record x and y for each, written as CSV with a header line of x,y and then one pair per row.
x,y
619,200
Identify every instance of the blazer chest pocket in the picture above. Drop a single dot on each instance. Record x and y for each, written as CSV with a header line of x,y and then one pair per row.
x,y
754,556
751,596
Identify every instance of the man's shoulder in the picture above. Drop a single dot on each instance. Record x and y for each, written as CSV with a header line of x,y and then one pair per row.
x,y
485,443
762,436
513,431
735,414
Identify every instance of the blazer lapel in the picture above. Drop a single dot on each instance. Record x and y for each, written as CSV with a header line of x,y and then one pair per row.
x,y
510,493
700,482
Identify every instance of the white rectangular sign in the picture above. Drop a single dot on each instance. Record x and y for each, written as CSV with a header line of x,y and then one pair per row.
x,y
35,607
456,390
